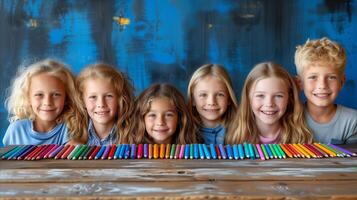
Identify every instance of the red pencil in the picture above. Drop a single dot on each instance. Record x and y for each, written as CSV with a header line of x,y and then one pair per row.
x,y
318,154
112,151
140,151
59,155
292,149
54,147
69,150
32,152
43,147
44,152
219,156
94,153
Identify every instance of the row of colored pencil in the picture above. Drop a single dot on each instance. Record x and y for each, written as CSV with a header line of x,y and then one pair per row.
x,y
176,151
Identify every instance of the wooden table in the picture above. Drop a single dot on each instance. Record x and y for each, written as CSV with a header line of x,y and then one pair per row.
x,y
327,178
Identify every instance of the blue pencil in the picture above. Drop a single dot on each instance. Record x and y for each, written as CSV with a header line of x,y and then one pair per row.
x,y
117,151
133,151
223,152
268,151
10,152
19,152
240,151
205,150
23,155
146,151
213,151
187,151
229,151
195,150
127,151
200,150
235,151
100,152
122,151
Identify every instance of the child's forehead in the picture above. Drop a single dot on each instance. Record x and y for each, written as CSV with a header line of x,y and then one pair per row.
x,y
320,67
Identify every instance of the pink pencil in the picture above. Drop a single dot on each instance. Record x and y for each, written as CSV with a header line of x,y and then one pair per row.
x,y
53,147
182,150
262,157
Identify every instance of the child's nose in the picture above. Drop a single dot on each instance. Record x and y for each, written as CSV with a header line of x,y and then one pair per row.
x,y
101,103
211,100
322,83
47,100
160,120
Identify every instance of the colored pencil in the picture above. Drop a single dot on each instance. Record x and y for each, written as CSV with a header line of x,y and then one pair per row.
x,y
223,152
88,153
191,151
195,150
240,151
44,152
292,149
286,151
182,151
262,146
112,151
146,151
127,151
150,151
235,152
274,147
133,151
302,152
246,150
229,151
255,150
213,151
43,148
200,150
77,152
95,151
172,152
83,152
318,153
25,153
347,152
205,151
18,152
10,152
162,151
140,151
261,155
167,151
282,153
267,148
64,149
177,151
311,154
156,151
100,152
54,147
219,156
187,151
337,152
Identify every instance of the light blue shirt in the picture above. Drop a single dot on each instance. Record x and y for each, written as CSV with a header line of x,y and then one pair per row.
x,y
93,138
213,135
21,132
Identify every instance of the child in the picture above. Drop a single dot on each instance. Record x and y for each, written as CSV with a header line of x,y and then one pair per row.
x,y
212,102
161,117
270,110
107,97
41,106
320,66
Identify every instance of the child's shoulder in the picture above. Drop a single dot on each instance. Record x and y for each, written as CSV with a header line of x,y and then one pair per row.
x,y
347,112
21,123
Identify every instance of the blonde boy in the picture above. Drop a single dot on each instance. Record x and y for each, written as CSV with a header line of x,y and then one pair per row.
x,y
320,66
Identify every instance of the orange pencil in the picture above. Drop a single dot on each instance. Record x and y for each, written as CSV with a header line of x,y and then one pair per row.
x,y
162,151
292,149
297,150
69,150
307,150
150,151
156,151
168,148
332,154
302,151
286,151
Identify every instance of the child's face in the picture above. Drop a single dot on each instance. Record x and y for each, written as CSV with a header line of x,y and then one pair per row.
x,y
269,99
211,99
47,98
101,102
161,120
321,83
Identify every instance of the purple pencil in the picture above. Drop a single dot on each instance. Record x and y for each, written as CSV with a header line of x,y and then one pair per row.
x,y
349,153
56,151
106,152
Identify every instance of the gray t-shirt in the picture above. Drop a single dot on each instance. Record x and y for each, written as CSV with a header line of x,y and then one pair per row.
x,y
342,129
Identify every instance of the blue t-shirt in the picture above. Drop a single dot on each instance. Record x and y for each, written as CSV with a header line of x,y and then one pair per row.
x,y
93,138
213,135
21,132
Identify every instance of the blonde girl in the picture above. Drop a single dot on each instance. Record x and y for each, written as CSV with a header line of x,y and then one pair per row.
x,y
212,101
270,110
161,116
42,105
107,97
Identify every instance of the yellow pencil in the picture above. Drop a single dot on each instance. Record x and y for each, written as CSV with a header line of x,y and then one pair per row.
x,y
168,148
307,151
301,151
332,154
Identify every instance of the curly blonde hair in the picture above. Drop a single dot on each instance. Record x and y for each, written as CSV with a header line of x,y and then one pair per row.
x,y
320,50
293,126
123,88
18,102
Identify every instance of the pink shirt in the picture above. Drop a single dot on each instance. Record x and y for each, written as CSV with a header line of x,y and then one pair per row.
x,y
269,140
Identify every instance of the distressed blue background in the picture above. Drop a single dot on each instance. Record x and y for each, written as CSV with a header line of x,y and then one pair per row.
x,y
166,41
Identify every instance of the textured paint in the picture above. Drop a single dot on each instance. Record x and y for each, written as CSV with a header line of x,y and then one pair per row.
x,y
166,41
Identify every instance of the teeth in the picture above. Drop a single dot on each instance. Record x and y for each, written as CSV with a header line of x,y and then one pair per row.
x,y
269,112
322,95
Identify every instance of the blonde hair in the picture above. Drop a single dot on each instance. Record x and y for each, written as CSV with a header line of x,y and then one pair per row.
x,y
219,72
122,87
320,50
293,125
18,103
185,132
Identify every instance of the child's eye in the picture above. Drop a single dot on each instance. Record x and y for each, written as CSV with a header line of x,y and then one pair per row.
x,y
332,77
92,97
202,95
170,114
221,94
38,94
56,94
279,96
312,77
259,95
109,96
151,115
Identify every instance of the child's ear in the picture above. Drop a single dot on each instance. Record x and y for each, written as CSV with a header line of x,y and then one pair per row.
x,y
343,79
298,82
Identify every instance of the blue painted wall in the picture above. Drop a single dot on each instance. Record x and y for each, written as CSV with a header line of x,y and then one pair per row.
x,y
167,40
